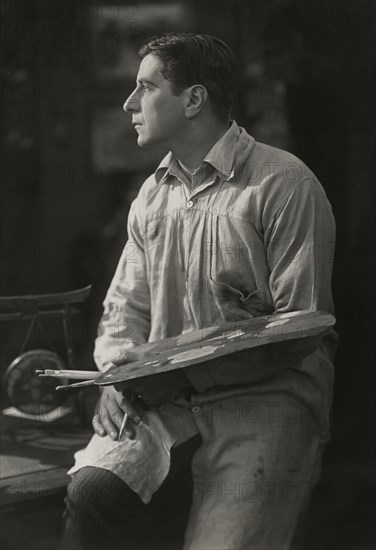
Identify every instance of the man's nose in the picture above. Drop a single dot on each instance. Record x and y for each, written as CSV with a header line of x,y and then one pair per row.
x,y
132,104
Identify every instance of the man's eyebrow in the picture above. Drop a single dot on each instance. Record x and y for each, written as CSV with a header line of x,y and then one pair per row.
x,y
146,81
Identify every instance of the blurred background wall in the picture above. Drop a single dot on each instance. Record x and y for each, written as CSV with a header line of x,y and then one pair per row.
x,y
71,167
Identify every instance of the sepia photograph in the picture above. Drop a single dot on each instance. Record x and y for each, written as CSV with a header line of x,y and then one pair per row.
x,y
187,288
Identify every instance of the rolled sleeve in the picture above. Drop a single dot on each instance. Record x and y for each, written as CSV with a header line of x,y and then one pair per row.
x,y
300,247
125,321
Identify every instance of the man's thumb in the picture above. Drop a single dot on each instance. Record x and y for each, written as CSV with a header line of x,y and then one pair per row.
x,y
124,356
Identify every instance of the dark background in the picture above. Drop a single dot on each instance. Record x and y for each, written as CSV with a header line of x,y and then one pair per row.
x,y
70,168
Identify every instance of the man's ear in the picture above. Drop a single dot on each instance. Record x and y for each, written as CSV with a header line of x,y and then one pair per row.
x,y
196,97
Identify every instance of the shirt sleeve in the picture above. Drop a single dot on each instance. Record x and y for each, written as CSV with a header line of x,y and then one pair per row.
x,y
299,238
125,322
299,244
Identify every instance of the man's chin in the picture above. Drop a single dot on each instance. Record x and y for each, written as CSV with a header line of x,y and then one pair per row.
x,y
143,142
147,142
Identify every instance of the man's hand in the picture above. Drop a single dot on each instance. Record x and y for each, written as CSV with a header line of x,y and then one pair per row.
x,y
152,389
110,411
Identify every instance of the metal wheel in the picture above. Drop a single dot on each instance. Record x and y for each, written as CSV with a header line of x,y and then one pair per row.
x,y
28,392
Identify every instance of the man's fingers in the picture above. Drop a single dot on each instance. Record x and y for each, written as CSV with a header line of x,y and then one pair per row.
x,y
110,411
128,356
109,426
119,360
125,356
97,425
126,429
105,425
133,410
115,414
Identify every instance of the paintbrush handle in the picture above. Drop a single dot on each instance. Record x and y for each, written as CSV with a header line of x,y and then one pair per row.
x,y
123,424
77,375
76,385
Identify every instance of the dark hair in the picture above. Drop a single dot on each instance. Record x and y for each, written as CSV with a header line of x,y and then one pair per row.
x,y
189,59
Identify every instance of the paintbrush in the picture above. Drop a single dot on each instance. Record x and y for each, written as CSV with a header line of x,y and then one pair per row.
x,y
123,424
74,374
76,385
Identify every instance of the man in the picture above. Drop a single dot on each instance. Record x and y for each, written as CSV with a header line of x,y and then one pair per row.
x,y
226,228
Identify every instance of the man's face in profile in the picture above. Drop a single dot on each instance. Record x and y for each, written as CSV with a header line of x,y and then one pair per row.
x,y
157,114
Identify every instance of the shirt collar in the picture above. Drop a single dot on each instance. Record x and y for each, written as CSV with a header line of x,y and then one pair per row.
x,y
221,156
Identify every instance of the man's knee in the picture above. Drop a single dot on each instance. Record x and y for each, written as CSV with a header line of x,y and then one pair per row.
x,y
99,489
100,507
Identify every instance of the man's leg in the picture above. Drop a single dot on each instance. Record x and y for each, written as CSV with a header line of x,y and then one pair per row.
x,y
253,473
98,508
103,513
171,504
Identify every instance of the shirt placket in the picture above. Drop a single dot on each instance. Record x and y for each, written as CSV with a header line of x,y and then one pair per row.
x,y
190,296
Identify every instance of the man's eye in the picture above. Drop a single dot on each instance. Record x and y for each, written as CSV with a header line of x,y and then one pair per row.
x,y
145,88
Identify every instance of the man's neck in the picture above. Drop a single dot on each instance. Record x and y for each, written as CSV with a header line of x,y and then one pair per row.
x,y
194,147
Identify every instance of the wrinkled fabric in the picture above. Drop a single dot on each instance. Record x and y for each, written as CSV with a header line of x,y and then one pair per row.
x,y
255,236
260,235
102,513
253,474
143,462
252,234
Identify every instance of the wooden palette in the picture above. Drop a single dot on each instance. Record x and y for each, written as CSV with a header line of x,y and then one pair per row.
x,y
209,343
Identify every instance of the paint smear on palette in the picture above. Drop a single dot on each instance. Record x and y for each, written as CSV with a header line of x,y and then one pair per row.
x,y
195,336
288,314
277,323
234,334
193,354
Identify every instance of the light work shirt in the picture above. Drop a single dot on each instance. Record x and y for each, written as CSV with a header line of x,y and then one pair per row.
x,y
252,234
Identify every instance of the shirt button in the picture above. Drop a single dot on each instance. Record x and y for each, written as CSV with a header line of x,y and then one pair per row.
x,y
189,204
195,409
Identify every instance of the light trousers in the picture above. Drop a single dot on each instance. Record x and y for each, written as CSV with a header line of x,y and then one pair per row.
x,y
241,484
